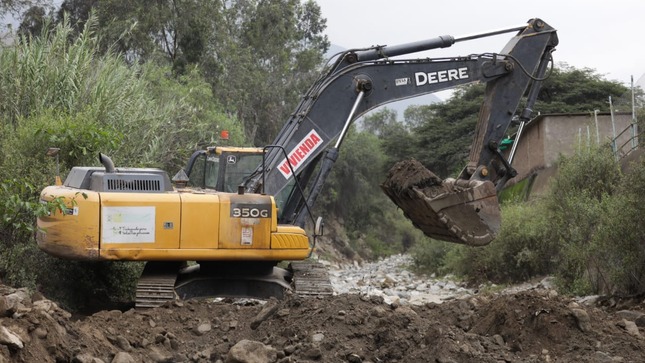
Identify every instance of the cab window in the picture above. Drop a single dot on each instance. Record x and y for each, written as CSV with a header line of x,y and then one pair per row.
x,y
205,172
238,168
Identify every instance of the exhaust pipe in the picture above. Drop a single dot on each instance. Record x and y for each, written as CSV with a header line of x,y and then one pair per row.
x,y
107,163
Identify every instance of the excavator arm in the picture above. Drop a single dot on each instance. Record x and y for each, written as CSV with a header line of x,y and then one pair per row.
x,y
361,80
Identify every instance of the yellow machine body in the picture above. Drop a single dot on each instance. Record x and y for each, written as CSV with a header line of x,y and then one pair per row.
x,y
180,225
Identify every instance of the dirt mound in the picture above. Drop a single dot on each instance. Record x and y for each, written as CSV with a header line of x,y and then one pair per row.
x,y
531,326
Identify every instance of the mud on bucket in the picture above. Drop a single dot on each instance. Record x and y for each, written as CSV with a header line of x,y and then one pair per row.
x,y
465,212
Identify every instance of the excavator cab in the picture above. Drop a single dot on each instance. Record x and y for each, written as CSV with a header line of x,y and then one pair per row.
x,y
225,168
222,168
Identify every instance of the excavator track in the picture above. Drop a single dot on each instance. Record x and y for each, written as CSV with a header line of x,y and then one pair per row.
x,y
160,282
311,278
155,290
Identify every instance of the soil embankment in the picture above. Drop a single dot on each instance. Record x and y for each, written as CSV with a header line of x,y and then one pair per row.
x,y
532,324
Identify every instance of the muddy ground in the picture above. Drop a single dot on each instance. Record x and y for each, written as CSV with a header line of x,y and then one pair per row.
x,y
530,326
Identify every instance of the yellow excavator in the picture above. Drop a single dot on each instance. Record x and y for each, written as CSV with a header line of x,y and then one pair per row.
x,y
238,212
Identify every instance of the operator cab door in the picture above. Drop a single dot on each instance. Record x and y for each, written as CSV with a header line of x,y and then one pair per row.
x,y
236,168
203,170
222,170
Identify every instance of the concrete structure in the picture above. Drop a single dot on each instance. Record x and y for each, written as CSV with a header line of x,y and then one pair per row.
x,y
548,136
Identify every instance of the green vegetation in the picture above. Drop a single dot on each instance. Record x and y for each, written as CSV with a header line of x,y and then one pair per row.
x,y
587,231
373,223
257,56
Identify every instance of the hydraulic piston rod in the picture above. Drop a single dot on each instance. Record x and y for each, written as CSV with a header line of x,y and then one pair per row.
x,y
442,41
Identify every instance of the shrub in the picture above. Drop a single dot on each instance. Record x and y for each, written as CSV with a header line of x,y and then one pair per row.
x,y
518,253
428,255
81,285
574,206
586,231
620,237
20,260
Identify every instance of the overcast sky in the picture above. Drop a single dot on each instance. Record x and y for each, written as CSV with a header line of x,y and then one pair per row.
x,y
607,36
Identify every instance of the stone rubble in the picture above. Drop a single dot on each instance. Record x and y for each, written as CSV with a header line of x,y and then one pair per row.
x,y
386,279
389,278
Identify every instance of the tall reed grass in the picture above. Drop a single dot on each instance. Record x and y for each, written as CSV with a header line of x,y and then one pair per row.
x,y
61,90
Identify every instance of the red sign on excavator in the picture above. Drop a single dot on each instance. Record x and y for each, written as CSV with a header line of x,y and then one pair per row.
x,y
300,153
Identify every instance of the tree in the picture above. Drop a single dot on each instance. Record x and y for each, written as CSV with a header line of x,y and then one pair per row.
x,y
570,89
33,22
258,55
33,17
437,135
380,122
14,7
394,136
77,12
179,30
270,58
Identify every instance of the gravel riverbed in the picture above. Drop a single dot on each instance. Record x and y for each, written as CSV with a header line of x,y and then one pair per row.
x,y
390,279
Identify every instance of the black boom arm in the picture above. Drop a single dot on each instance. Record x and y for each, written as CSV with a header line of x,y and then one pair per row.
x,y
362,80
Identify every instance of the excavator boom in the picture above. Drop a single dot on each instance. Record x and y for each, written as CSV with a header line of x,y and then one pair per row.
x,y
464,210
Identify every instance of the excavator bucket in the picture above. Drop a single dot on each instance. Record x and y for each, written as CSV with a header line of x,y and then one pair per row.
x,y
465,212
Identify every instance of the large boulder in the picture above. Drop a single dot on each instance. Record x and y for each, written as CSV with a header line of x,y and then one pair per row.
x,y
249,351
8,338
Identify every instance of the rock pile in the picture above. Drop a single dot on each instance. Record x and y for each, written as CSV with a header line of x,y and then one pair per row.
x,y
390,279
529,323
46,322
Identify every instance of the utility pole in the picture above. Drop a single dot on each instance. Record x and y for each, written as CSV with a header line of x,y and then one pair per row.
x,y
634,121
613,127
595,116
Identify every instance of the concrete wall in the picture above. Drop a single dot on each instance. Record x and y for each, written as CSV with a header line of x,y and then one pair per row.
x,y
548,136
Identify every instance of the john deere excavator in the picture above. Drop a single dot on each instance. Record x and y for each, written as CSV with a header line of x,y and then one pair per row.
x,y
238,212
